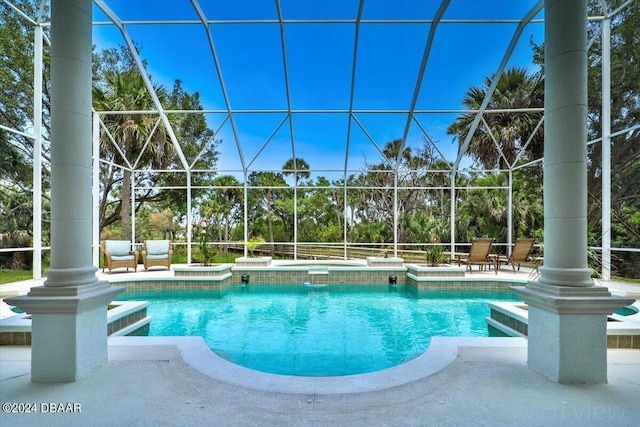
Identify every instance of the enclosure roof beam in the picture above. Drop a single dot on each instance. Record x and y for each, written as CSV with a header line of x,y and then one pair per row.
x,y
145,77
496,78
285,67
223,86
423,66
352,88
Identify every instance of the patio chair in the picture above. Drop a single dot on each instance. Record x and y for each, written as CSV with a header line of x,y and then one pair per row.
x,y
520,254
478,254
157,253
118,254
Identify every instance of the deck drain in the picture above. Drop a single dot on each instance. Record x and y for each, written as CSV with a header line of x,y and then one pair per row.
x,y
140,361
492,363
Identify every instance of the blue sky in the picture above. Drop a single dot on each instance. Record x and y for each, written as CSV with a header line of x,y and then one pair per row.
x,y
320,61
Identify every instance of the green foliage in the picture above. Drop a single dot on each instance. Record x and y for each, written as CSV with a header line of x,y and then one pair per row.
x,y
16,112
424,227
324,209
625,148
371,232
253,243
205,254
515,89
144,141
434,255
18,260
10,275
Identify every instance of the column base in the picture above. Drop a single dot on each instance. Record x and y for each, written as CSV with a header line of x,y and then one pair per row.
x,y
69,329
578,277
567,338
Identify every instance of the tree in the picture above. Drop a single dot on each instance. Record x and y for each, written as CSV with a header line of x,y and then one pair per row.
x,y
372,198
16,112
515,89
317,219
119,86
625,114
298,168
625,148
198,145
268,183
224,204
485,209
126,91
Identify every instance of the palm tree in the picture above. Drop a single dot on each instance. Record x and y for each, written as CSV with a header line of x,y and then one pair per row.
x,y
516,89
15,239
231,196
268,180
298,168
126,91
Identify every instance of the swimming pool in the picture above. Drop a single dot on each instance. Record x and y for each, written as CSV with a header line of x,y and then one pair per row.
x,y
310,332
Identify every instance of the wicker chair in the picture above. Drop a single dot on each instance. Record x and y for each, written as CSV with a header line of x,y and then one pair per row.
x,y
118,254
157,253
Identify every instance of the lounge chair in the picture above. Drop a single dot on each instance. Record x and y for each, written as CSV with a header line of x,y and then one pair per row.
x,y
520,254
118,254
478,254
157,253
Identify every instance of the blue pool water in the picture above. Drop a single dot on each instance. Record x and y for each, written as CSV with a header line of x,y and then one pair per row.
x,y
297,331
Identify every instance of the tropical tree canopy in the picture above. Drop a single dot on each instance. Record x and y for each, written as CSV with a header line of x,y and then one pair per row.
x,y
502,135
404,196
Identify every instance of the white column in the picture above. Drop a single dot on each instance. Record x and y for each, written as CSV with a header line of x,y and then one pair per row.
x,y
606,149
69,313
133,209
453,214
37,153
295,215
395,212
344,220
565,151
96,190
246,213
510,212
189,217
567,314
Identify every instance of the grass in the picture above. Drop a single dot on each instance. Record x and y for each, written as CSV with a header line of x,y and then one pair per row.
x,y
7,276
626,280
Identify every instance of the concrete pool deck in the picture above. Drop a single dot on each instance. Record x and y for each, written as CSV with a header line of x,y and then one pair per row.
x,y
458,381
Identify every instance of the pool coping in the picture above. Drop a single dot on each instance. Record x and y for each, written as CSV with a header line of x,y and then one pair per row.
x,y
441,352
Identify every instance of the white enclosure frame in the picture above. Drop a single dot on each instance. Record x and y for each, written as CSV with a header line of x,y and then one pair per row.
x,y
411,113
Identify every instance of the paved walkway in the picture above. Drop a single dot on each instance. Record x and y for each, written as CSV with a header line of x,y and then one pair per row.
x,y
486,384
458,381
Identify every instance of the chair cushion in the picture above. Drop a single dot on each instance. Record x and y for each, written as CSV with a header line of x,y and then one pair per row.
x,y
164,256
157,247
122,257
118,248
